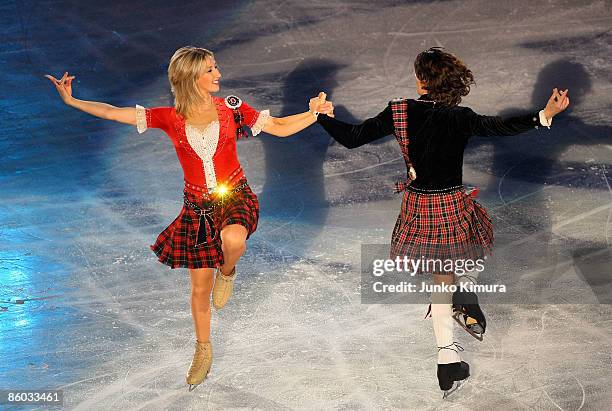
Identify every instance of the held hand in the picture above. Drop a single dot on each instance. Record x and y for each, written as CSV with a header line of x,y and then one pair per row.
x,y
63,86
320,105
557,102
315,102
327,108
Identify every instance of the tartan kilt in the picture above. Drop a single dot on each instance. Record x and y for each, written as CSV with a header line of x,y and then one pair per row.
x,y
177,245
449,225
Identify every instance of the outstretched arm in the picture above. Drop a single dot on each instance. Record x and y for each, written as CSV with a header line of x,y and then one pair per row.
x,y
480,125
352,136
289,125
126,115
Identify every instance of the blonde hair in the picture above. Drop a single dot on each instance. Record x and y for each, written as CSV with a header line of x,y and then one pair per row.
x,y
186,66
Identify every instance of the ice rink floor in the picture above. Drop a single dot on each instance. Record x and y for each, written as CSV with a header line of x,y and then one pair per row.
x,y
86,308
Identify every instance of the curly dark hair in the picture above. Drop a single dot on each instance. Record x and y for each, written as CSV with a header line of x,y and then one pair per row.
x,y
446,77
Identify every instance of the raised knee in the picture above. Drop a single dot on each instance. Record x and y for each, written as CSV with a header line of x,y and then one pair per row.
x,y
233,245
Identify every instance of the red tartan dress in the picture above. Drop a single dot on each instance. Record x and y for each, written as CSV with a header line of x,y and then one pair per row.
x,y
209,161
438,224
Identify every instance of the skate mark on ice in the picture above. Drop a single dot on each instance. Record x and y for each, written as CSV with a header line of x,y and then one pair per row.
x,y
104,294
508,397
397,159
501,181
226,384
564,264
538,25
389,49
607,228
514,200
604,173
290,222
551,400
583,392
116,391
562,223
62,387
537,355
266,63
395,35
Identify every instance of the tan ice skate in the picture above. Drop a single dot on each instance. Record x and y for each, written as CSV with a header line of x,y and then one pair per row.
x,y
222,290
200,365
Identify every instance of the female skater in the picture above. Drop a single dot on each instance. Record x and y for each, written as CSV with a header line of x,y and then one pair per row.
x,y
439,220
220,211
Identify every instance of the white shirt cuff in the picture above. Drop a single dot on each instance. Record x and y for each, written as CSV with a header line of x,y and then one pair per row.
x,y
262,121
141,119
544,121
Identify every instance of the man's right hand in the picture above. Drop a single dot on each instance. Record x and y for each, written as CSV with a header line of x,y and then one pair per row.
x,y
320,105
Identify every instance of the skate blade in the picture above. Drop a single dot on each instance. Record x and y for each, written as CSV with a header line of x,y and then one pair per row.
x,y
457,316
454,388
194,386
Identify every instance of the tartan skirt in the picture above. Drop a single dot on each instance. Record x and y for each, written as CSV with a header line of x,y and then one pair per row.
x,y
442,225
185,244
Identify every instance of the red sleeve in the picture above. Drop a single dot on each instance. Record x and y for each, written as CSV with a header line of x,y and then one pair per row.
x,y
254,119
156,117
249,114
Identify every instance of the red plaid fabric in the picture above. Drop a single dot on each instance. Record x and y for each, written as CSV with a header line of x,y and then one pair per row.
x,y
399,110
450,225
177,246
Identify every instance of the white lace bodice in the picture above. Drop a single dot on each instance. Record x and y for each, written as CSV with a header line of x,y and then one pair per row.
x,y
204,142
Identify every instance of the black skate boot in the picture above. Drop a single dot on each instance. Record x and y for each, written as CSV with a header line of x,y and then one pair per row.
x,y
468,314
452,375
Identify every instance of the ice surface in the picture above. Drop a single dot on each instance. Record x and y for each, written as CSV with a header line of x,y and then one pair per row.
x,y
82,200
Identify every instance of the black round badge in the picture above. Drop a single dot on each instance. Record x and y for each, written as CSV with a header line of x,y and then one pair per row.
x,y
233,102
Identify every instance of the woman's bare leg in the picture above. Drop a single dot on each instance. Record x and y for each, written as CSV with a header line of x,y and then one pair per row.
x,y
233,244
201,286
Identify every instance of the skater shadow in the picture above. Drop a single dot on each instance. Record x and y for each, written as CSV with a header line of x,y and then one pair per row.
x,y
294,189
295,180
527,166
593,266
